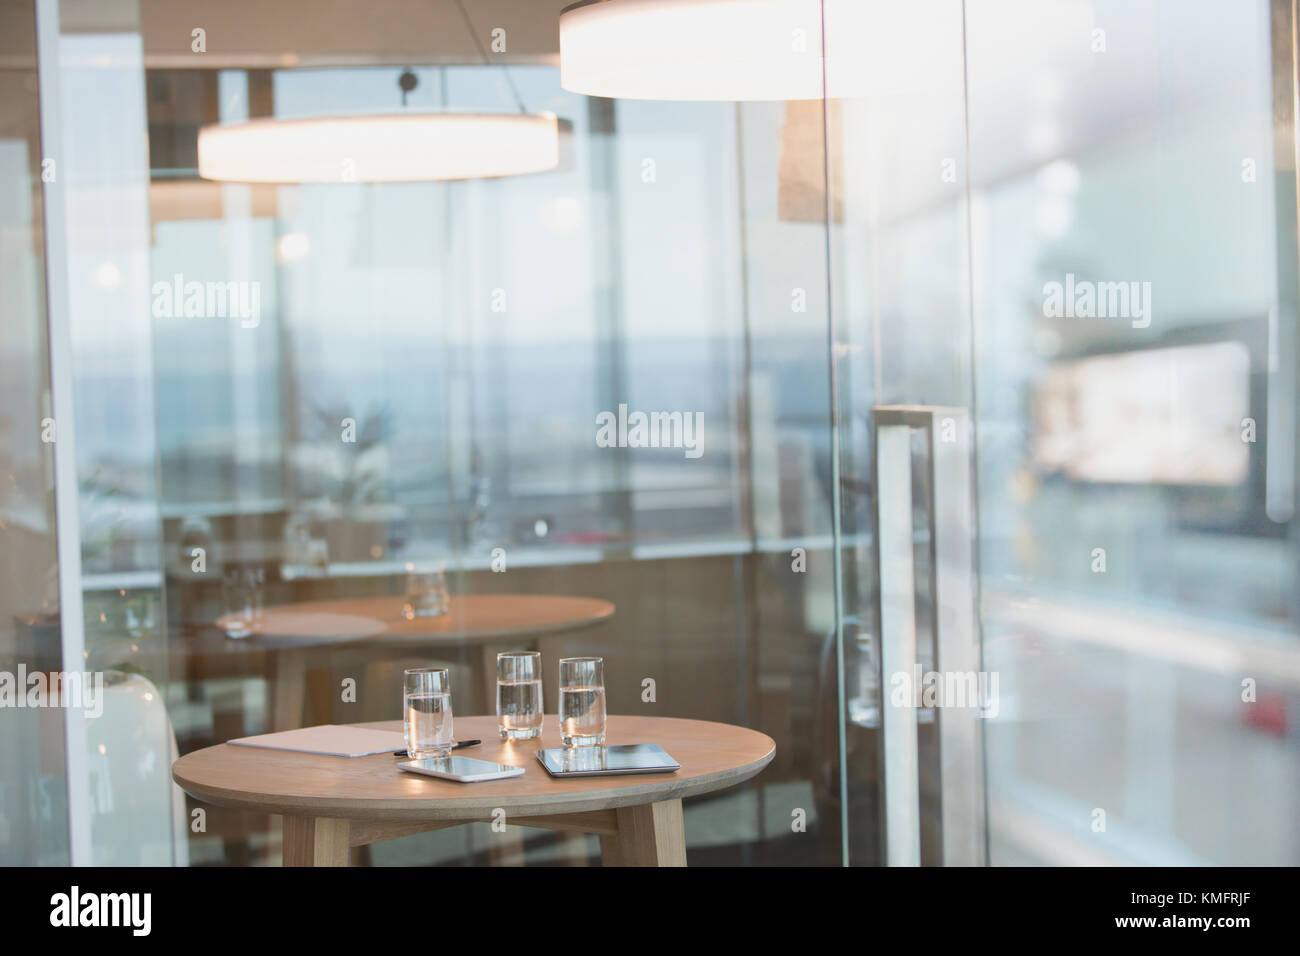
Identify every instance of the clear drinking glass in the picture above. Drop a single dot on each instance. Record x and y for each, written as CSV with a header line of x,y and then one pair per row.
x,y
426,700
242,595
519,694
582,702
426,592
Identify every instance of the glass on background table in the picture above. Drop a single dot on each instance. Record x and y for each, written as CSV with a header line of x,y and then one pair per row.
x,y
243,595
426,591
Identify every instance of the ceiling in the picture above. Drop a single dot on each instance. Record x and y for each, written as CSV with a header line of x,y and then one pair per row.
x,y
255,33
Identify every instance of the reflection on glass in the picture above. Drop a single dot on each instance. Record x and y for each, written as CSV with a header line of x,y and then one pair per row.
x,y
580,759
1148,416
426,591
33,782
1125,339
242,590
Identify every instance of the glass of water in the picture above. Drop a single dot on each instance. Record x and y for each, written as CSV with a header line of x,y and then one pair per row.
x,y
582,702
426,700
242,590
426,592
519,694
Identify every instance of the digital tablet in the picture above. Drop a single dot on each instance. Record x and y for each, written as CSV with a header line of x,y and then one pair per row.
x,y
599,761
464,769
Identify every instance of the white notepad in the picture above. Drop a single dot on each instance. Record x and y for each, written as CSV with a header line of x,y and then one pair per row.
x,y
333,740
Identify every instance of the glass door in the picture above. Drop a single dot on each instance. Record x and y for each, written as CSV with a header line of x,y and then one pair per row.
x,y
1063,270
904,386
1136,361
83,656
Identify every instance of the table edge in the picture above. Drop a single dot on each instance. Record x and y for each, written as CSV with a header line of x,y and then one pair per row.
x,y
273,642
652,788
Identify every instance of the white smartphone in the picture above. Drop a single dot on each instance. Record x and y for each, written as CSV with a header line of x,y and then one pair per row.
x,y
464,769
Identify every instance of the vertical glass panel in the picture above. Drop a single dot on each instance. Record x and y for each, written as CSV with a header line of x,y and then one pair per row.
x,y
426,380
103,175
1134,247
33,786
1128,348
900,275
787,494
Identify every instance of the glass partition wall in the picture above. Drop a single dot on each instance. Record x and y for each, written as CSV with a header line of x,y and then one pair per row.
x,y
34,782
1064,239
420,378
85,651
1133,233
975,366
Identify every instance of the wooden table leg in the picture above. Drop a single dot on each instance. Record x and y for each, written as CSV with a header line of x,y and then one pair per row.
x,y
320,697
299,694
507,848
288,689
648,835
484,667
573,848
316,841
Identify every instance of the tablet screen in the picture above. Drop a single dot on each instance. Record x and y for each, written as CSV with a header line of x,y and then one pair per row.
x,y
460,768
595,761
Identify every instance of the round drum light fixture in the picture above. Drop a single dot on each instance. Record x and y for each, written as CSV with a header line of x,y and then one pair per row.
x,y
731,50
403,147
693,49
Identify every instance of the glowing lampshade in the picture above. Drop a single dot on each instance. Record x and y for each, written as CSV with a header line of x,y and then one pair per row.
x,y
693,49
748,49
405,147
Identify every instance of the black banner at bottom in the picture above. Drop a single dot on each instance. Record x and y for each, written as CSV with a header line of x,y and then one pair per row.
x,y
228,906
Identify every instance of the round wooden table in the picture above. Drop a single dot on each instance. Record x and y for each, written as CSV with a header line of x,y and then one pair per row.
x,y
488,623
380,622
331,804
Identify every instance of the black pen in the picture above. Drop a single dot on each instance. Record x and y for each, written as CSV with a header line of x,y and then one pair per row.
x,y
457,746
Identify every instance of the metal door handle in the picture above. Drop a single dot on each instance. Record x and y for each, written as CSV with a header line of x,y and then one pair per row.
x,y
949,508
